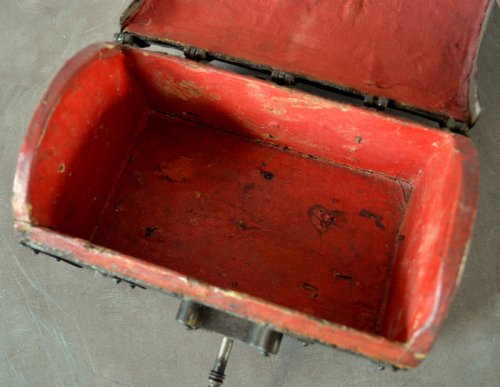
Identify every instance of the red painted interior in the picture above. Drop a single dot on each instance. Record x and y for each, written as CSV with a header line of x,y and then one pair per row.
x,y
253,218
289,209
418,52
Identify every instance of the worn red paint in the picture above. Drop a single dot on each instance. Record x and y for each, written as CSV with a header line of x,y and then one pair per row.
x,y
418,52
328,221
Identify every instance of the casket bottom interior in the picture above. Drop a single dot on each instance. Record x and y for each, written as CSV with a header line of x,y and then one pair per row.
x,y
277,224
336,212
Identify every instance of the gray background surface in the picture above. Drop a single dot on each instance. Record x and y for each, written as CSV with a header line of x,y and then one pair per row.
x,y
62,326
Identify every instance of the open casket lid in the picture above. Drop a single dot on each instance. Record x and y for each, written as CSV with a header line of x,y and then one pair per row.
x,y
418,53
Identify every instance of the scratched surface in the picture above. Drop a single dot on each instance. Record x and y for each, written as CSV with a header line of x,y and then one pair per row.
x,y
61,326
258,223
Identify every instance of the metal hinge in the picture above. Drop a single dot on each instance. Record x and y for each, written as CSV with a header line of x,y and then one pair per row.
x,y
127,38
455,126
282,77
379,103
195,53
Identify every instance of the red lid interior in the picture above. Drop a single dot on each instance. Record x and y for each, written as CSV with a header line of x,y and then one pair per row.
x,y
420,53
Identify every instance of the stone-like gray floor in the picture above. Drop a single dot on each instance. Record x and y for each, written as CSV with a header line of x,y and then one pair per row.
x,y
61,326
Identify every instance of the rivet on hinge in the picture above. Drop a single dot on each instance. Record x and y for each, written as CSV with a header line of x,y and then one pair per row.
x,y
195,53
282,77
379,103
